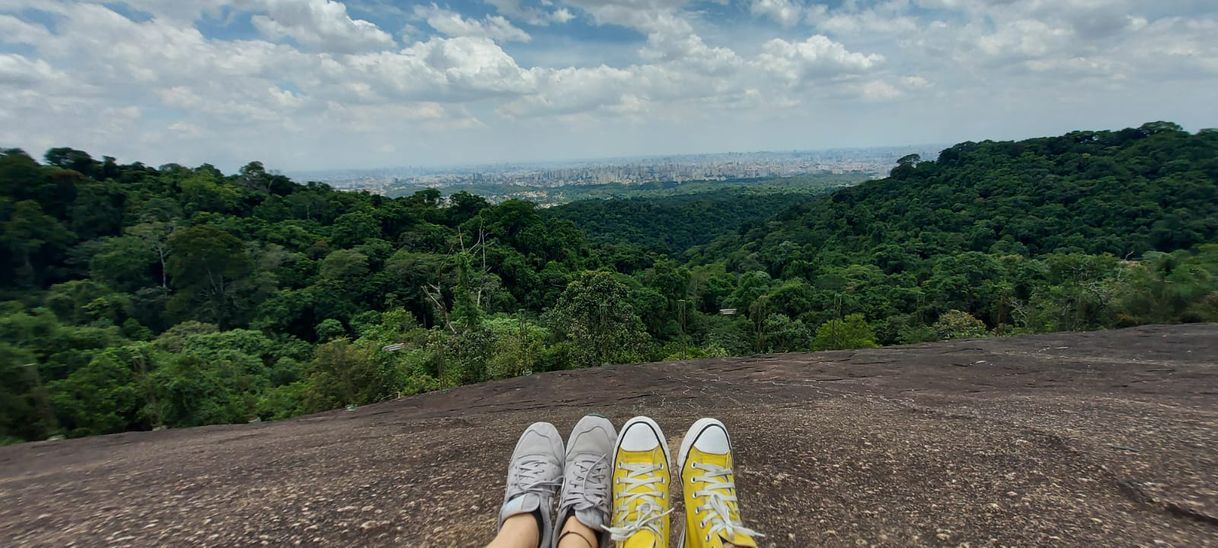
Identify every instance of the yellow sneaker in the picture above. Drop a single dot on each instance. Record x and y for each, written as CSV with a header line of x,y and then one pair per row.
x,y
641,481
704,465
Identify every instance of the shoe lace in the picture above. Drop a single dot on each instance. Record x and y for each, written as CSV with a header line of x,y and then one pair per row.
x,y
720,503
641,485
531,476
589,488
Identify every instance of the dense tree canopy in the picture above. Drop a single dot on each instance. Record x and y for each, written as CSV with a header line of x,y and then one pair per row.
x,y
1122,193
134,297
673,224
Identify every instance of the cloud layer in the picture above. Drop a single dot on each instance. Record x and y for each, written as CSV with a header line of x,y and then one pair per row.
x,y
309,84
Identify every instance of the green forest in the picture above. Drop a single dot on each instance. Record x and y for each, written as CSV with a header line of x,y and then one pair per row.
x,y
135,298
674,224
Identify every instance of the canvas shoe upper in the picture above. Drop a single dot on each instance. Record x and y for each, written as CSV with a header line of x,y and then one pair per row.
x,y
534,476
585,489
712,513
641,481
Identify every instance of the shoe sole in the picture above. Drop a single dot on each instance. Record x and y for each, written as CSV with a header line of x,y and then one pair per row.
x,y
687,443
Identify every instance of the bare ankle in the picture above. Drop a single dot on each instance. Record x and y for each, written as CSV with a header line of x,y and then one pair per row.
x,y
577,535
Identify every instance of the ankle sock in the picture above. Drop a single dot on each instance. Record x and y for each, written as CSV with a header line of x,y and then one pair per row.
x,y
540,524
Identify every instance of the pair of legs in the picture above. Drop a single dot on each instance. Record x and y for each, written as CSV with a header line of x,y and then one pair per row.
x,y
521,531
616,487
541,468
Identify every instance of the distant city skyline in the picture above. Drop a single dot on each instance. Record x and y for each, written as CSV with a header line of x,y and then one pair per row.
x,y
527,179
926,150
306,85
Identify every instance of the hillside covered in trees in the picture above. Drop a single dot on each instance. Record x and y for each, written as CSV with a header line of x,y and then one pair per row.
x,y
674,224
134,297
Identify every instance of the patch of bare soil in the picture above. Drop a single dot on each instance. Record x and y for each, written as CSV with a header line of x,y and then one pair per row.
x,y
1107,438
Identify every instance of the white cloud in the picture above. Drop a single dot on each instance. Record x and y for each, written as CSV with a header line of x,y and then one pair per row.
x,y
915,82
16,31
441,69
571,90
645,15
816,57
186,129
452,23
20,70
333,89
879,90
867,22
322,25
785,12
532,15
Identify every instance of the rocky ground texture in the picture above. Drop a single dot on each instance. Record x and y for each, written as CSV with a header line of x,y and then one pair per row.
x,y
1107,438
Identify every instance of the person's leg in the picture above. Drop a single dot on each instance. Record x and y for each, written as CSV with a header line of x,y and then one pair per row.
x,y
583,508
641,482
526,519
577,535
712,512
518,531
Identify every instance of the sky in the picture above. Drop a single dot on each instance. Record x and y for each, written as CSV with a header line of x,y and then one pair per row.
x,y
327,84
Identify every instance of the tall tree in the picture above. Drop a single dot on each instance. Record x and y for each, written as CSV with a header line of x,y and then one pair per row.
x,y
207,265
595,314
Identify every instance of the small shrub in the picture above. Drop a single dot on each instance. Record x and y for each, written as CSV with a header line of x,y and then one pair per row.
x,y
956,324
848,333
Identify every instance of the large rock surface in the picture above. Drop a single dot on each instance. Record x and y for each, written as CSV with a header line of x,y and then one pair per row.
x,y
1107,438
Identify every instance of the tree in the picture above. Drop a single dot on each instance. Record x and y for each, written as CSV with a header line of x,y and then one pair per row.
x,y
751,286
25,409
847,333
204,191
100,398
207,267
781,334
519,345
595,314
253,176
154,235
467,294
355,228
342,373
956,324
34,241
330,329
906,165
125,263
464,206
76,160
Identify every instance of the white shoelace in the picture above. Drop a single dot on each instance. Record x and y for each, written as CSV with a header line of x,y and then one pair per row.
x,y
590,488
647,514
530,475
720,505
